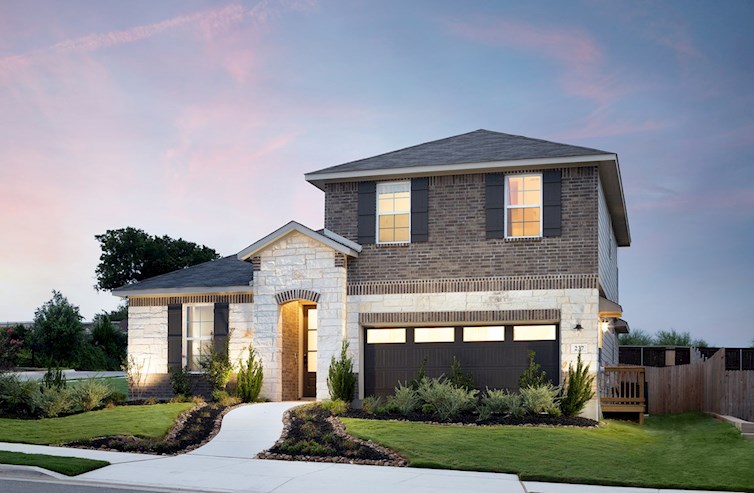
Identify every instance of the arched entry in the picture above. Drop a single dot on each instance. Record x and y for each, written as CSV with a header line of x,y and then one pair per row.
x,y
298,329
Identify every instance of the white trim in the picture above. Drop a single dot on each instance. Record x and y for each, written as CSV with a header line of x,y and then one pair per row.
x,y
377,212
290,228
345,241
318,179
540,206
125,293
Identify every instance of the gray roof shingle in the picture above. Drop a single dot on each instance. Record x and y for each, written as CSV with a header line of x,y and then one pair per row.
x,y
227,271
474,147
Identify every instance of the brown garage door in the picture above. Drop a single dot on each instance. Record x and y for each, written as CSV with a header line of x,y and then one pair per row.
x,y
494,355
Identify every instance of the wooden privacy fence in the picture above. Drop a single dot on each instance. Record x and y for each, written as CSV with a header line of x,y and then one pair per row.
x,y
701,386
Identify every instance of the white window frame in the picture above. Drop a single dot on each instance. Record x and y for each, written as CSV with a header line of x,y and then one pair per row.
x,y
508,207
394,213
185,338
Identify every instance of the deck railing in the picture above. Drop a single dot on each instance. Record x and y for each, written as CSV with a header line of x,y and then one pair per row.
x,y
621,389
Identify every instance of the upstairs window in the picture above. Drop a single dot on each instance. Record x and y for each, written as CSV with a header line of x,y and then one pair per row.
x,y
523,206
394,212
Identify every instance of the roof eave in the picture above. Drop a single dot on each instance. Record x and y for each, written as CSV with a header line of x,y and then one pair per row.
x,y
128,293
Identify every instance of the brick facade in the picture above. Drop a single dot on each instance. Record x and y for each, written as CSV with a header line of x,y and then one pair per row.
x,y
457,246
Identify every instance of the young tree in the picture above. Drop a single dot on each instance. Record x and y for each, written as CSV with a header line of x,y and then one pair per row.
x,y
58,331
130,255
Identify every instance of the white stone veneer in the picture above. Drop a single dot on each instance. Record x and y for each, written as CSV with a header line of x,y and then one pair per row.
x,y
148,337
297,262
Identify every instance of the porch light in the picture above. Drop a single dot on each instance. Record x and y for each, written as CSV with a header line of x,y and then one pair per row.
x,y
605,325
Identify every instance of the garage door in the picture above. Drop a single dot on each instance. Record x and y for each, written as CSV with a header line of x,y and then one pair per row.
x,y
494,355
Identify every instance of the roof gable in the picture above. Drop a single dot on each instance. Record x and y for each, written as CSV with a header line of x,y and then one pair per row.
x,y
327,238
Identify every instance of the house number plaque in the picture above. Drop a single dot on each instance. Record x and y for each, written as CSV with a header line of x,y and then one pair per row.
x,y
578,348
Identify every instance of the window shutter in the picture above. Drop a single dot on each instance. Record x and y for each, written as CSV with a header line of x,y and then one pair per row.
x,y
367,212
419,209
551,203
220,336
175,336
494,205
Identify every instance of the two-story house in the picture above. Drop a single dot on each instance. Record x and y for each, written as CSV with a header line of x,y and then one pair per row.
x,y
481,246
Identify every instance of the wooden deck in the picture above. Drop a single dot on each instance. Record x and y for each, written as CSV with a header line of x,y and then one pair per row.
x,y
621,390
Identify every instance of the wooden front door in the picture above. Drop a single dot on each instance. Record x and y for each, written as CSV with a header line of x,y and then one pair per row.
x,y
310,351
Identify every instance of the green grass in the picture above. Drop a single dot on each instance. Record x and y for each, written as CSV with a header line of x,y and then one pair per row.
x,y
142,421
688,451
117,384
70,466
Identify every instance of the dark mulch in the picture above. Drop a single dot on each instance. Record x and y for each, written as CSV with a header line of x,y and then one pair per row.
x,y
193,428
473,419
312,433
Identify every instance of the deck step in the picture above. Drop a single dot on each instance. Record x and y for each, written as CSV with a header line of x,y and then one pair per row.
x,y
747,427
749,436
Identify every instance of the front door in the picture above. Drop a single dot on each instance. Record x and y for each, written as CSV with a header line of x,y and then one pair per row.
x,y
310,351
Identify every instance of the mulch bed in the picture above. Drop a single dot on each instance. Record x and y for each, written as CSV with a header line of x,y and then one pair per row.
x,y
473,419
192,429
311,433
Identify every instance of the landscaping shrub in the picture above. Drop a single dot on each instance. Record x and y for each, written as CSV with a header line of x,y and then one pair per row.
x,y
445,399
458,377
405,399
250,377
136,376
578,389
180,381
217,366
53,401
54,378
18,398
219,395
117,398
500,402
532,376
336,407
372,405
421,374
541,399
341,382
90,393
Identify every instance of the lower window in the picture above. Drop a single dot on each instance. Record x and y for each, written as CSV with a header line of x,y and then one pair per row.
x,y
198,323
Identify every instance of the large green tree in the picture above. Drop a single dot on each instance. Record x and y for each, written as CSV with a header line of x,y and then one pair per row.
x,y
130,255
58,332
670,337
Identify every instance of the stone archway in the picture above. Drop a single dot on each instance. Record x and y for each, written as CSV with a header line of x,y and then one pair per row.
x,y
297,295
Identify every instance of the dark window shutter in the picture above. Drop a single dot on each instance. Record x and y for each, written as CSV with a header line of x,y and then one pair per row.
x,y
551,203
220,336
175,336
367,212
419,209
494,205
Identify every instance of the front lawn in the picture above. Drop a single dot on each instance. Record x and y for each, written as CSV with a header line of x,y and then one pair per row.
x,y
689,451
70,466
143,421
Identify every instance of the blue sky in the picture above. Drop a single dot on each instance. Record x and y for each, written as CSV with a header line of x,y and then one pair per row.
x,y
198,119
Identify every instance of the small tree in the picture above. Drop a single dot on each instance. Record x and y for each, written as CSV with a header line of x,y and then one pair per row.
x,y
578,388
532,376
250,377
341,382
58,331
217,365
135,375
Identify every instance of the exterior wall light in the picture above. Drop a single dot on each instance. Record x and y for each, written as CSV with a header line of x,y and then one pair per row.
x,y
578,326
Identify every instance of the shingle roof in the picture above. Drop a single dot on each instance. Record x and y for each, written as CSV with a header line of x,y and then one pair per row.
x,y
474,147
227,271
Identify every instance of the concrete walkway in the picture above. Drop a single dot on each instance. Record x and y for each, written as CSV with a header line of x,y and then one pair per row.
x,y
225,464
69,374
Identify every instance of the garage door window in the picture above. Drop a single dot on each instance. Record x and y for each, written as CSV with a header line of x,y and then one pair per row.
x,y
484,334
434,334
386,336
533,332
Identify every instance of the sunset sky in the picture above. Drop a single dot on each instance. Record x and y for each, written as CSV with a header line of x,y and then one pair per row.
x,y
198,119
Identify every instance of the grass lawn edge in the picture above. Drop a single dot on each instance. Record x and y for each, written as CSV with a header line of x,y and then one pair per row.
x,y
69,466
